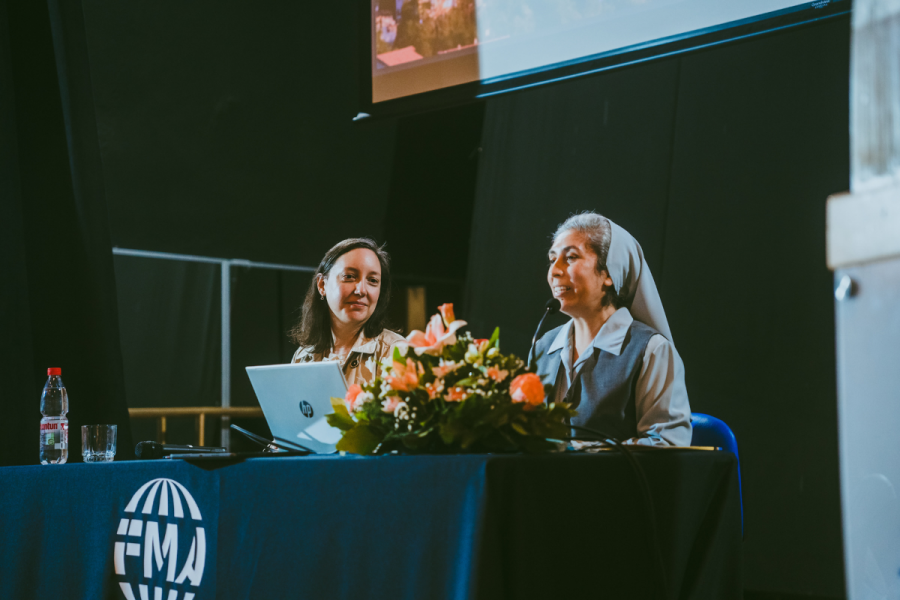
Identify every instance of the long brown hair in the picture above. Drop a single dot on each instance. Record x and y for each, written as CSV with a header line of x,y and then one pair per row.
x,y
314,327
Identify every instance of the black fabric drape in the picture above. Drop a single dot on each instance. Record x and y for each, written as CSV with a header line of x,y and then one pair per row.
x,y
58,304
16,366
719,163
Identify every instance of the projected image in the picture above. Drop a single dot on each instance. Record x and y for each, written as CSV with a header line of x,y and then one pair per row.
x,y
412,30
424,45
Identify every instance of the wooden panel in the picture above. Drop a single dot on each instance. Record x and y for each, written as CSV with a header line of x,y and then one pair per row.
x,y
875,93
863,226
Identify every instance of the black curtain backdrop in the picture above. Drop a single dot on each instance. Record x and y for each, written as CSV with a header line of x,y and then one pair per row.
x,y
719,163
58,298
431,199
226,128
18,392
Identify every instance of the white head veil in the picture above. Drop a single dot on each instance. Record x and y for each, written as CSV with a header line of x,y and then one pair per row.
x,y
633,282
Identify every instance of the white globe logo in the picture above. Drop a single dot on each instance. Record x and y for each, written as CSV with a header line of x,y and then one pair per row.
x,y
156,564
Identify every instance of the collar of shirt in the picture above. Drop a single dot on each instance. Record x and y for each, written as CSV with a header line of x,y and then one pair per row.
x,y
609,338
362,345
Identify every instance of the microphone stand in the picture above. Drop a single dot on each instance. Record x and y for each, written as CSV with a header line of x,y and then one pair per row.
x,y
552,307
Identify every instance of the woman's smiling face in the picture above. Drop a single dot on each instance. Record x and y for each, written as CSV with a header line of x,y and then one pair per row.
x,y
352,286
573,276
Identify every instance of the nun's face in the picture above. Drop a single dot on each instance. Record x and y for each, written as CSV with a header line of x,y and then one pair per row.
x,y
573,275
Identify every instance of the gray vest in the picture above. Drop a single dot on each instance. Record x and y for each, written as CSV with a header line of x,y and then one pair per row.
x,y
603,391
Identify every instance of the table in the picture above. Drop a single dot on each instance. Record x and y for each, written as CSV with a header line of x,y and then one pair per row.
x,y
416,527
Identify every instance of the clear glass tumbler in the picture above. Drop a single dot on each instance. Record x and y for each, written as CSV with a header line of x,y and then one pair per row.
x,y
98,443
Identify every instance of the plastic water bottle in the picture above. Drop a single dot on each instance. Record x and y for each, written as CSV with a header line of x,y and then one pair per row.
x,y
54,425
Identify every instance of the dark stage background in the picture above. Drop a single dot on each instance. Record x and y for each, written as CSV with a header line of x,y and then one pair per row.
x,y
224,130
719,163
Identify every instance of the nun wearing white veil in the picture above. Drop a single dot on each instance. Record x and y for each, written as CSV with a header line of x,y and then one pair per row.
x,y
615,359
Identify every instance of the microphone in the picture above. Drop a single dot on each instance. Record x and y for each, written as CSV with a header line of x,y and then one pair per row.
x,y
153,450
551,308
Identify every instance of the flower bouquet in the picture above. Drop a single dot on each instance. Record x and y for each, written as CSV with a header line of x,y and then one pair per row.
x,y
444,392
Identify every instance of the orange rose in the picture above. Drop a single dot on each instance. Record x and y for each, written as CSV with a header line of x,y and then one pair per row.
x,y
527,388
447,313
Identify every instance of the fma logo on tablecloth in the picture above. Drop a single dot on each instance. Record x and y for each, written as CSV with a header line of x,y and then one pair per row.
x,y
151,555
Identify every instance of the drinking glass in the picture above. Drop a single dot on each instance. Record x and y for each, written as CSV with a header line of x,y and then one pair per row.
x,y
98,443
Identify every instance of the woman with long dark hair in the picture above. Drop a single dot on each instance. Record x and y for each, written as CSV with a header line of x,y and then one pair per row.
x,y
344,311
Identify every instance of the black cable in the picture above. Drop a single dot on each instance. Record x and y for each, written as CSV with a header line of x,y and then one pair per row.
x,y
267,443
649,507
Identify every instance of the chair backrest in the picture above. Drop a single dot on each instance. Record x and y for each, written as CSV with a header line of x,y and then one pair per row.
x,y
710,431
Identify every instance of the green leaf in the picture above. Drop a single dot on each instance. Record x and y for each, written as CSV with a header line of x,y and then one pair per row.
x,y
362,439
399,357
340,418
495,339
519,428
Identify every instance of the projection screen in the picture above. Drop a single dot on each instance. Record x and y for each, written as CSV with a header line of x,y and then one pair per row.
x,y
419,46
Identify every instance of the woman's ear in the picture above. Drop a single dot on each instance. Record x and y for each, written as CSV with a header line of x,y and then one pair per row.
x,y
320,285
608,285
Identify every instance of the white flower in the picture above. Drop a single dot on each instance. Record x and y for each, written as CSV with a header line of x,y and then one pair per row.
x,y
361,399
401,411
473,356
493,352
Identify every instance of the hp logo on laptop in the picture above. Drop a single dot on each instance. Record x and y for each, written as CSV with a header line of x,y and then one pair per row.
x,y
306,409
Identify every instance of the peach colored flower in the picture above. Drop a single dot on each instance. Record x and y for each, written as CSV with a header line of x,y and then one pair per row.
x,y
446,367
436,336
527,388
481,344
447,313
435,389
455,394
496,374
390,404
360,399
404,378
352,392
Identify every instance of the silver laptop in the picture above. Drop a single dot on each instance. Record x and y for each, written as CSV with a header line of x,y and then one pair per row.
x,y
295,399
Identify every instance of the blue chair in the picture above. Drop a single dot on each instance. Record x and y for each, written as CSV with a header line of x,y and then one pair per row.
x,y
710,431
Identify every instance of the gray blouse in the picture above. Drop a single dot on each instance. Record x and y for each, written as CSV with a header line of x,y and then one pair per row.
x,y
662,409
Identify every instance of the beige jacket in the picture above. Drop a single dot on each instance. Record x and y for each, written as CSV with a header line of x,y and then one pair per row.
x,y
363,364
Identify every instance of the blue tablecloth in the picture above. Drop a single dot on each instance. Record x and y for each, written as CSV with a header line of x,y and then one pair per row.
x,y
416,527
